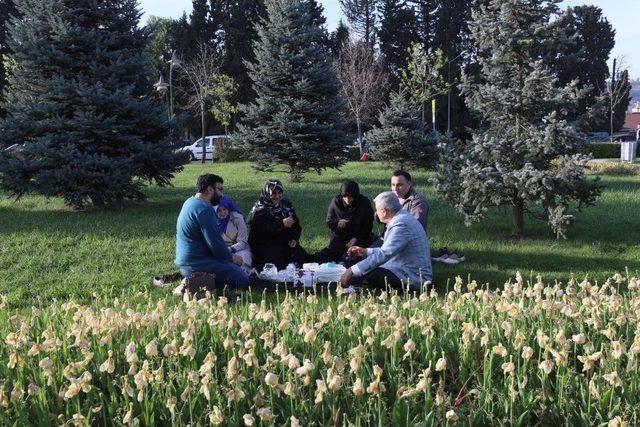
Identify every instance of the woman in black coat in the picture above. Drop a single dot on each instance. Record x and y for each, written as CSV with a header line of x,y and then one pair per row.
x,y
350,219
274,236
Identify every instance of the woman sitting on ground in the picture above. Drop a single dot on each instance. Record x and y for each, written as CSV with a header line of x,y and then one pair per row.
x,y
275,229
350,219
234,231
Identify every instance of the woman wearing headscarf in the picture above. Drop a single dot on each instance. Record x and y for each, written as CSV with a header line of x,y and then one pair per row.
x,y
350,219
234,231
275,229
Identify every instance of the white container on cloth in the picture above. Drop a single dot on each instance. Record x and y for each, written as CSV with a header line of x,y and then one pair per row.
x,y
329,272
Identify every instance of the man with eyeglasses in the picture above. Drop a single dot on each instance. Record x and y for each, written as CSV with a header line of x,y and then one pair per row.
x,y
199,245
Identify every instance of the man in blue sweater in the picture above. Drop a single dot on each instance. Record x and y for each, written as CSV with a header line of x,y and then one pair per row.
x,y
199,245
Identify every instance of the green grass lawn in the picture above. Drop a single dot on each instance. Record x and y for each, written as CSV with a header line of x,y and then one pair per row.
x,y
48,251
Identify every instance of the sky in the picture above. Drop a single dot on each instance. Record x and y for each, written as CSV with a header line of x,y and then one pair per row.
x,y
622,14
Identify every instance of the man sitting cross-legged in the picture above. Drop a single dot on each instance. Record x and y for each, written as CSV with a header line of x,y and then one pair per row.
x,y
403,256
199,245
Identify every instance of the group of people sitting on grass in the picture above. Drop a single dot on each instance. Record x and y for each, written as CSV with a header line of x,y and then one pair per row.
x,y
212,236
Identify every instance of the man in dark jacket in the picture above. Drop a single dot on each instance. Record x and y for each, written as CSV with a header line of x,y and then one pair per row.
x,y
350,219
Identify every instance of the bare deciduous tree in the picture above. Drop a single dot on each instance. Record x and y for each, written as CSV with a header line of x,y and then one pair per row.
x,y
200,74
616,90
363,83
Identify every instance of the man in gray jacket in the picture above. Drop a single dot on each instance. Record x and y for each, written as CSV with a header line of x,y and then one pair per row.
x,y
411,199
403,259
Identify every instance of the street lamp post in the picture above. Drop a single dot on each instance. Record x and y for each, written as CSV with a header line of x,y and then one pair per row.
x,y
161,86
173,62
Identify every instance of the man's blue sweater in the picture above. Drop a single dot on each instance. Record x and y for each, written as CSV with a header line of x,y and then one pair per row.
x,y
199,246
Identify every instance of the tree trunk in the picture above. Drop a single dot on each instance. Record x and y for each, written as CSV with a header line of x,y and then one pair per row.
x,y
204,141
360,137
517,216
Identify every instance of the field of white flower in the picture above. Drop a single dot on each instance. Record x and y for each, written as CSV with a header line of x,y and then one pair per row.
x,y
524,354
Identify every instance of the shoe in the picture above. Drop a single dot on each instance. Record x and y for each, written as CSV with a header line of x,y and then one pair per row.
x,y
456,257
158,281
166,280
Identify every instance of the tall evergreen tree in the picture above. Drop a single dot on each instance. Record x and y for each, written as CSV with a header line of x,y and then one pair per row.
x,y
426,15
585,41
337,39
202,29
238,20
7,9
452,37
295,119
362,17
529,157
398,30
77,103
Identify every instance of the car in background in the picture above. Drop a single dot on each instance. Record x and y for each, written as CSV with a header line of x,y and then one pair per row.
x,y
195,149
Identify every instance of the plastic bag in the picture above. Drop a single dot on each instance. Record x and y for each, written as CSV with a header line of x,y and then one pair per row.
x,y
329,272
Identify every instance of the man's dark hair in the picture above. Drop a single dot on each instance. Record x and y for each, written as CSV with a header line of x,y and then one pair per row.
x,y
400,172
206,180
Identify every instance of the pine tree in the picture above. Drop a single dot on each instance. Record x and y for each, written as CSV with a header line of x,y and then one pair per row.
x,y
77,103
398,30
202,29
585,42
362,16
295,119
528,157
238,20
426,16
337,39
401,139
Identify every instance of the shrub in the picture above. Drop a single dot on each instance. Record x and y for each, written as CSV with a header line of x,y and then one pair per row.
x,y
606,150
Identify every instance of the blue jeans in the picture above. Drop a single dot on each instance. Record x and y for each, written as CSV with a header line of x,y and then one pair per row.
x,y
227,274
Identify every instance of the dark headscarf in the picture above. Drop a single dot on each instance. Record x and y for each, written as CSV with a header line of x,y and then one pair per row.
x,y
264,202
226,202
348,188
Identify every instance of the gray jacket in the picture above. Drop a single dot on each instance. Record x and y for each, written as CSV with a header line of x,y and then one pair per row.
x,y
404,252
416,204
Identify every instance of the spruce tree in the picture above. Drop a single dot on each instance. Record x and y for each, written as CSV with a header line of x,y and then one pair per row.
x,y
362,15
7,10
337,39
401,139
528,157
77,102
585,40
238,19
398,31
295,120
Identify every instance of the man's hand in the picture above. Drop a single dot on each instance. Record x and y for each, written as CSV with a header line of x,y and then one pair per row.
x,y
288,222
351,242
342,223
293,243
346,276
237,260
357,252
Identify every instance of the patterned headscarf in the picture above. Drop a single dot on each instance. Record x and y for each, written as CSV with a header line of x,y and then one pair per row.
x,y
264,202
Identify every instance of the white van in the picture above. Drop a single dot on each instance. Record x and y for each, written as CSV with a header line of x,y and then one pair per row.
x,y
195,149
